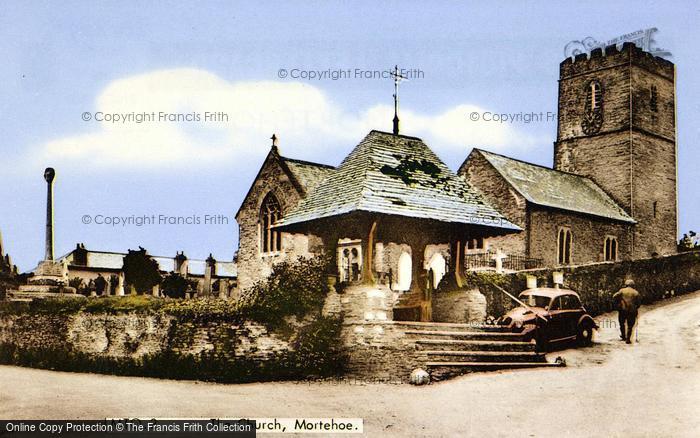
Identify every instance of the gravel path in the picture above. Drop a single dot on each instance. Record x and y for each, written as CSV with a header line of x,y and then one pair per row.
x,y
650,388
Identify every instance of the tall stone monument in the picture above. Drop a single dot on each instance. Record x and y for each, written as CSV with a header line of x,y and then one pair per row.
x,y
49,272
50,278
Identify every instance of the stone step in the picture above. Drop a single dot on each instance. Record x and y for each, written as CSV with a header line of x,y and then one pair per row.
x,y
465,335
473,345
452,326
485,356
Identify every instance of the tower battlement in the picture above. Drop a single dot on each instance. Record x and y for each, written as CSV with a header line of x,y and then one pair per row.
x,y
612,56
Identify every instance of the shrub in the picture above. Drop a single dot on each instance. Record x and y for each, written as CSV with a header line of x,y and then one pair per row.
x,y
203,310
175,285
318,350
293,289
141,271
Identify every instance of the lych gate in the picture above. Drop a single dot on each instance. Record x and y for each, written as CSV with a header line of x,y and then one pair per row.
x,y
389,201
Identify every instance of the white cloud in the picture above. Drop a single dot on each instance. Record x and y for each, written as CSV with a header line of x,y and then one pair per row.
x,y
301,114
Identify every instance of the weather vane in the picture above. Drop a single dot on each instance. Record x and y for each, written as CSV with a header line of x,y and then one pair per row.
x,y
396,74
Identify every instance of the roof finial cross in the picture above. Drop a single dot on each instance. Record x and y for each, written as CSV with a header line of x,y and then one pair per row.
x,y
275,142
398,77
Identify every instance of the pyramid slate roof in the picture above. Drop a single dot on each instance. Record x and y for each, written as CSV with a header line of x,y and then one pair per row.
x,y
553,188
396,175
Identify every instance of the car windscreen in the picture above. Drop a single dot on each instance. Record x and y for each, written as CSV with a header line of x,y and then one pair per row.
x,y
536,300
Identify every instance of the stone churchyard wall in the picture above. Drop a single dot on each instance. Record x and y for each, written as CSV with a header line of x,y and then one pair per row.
x,y
655,279
142,344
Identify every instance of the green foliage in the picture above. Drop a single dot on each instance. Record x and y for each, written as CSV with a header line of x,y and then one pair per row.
x,y
408,167
141,271
689,242
166,365
317,349
203,310
316,354
488,282
67,306
48,306
127,304
293,289
175,285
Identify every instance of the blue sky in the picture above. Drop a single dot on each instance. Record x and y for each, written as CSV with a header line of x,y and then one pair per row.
x,y
60,61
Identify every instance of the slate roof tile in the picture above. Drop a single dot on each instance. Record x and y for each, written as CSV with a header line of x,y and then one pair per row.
x,y
552,188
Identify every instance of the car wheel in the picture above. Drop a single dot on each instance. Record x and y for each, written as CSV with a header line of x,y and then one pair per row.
x,y
584,336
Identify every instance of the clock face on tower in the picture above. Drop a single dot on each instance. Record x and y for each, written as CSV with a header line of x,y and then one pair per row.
x,y
592,121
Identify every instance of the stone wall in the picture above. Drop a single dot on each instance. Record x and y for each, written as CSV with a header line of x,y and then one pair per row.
x,y
479,173
655,279
377,347
133,336
588,236
380,350
463,306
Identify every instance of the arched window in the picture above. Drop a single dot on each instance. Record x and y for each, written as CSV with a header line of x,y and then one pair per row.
x,y
564,239
610,249
270,212
594,96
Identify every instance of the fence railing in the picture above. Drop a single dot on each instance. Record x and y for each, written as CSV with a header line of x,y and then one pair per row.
x,y
511,262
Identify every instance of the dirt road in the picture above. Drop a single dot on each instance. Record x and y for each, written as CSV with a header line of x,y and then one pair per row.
x,y
650,388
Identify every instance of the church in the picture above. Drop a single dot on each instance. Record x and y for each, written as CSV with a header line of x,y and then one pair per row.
x,y
393,213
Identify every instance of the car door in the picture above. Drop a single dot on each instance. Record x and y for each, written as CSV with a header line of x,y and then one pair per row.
x,y
556,320
570,313
563,319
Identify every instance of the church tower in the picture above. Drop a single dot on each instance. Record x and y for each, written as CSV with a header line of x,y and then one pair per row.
x,y
617,126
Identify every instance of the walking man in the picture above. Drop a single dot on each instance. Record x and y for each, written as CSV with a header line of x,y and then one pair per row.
x,y
627,301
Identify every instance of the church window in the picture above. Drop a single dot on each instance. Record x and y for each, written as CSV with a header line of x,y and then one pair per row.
x,y
654,206
610,249
475,243
653,98
270,212
592,119
564,239
594,97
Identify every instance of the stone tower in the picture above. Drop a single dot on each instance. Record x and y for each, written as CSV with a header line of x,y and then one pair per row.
x,y
617,125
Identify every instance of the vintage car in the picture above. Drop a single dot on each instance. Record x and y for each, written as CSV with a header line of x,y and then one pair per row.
x,y
551,315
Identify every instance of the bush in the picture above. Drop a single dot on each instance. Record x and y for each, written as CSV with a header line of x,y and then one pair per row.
x,y
175,285
141,271
318,350
204,310
293,289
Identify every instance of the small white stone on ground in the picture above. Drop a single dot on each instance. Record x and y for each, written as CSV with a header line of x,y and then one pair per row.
x,y
419,377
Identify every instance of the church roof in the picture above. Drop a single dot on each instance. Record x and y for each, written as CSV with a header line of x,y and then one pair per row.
x,y
397,175
308,174
552,188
